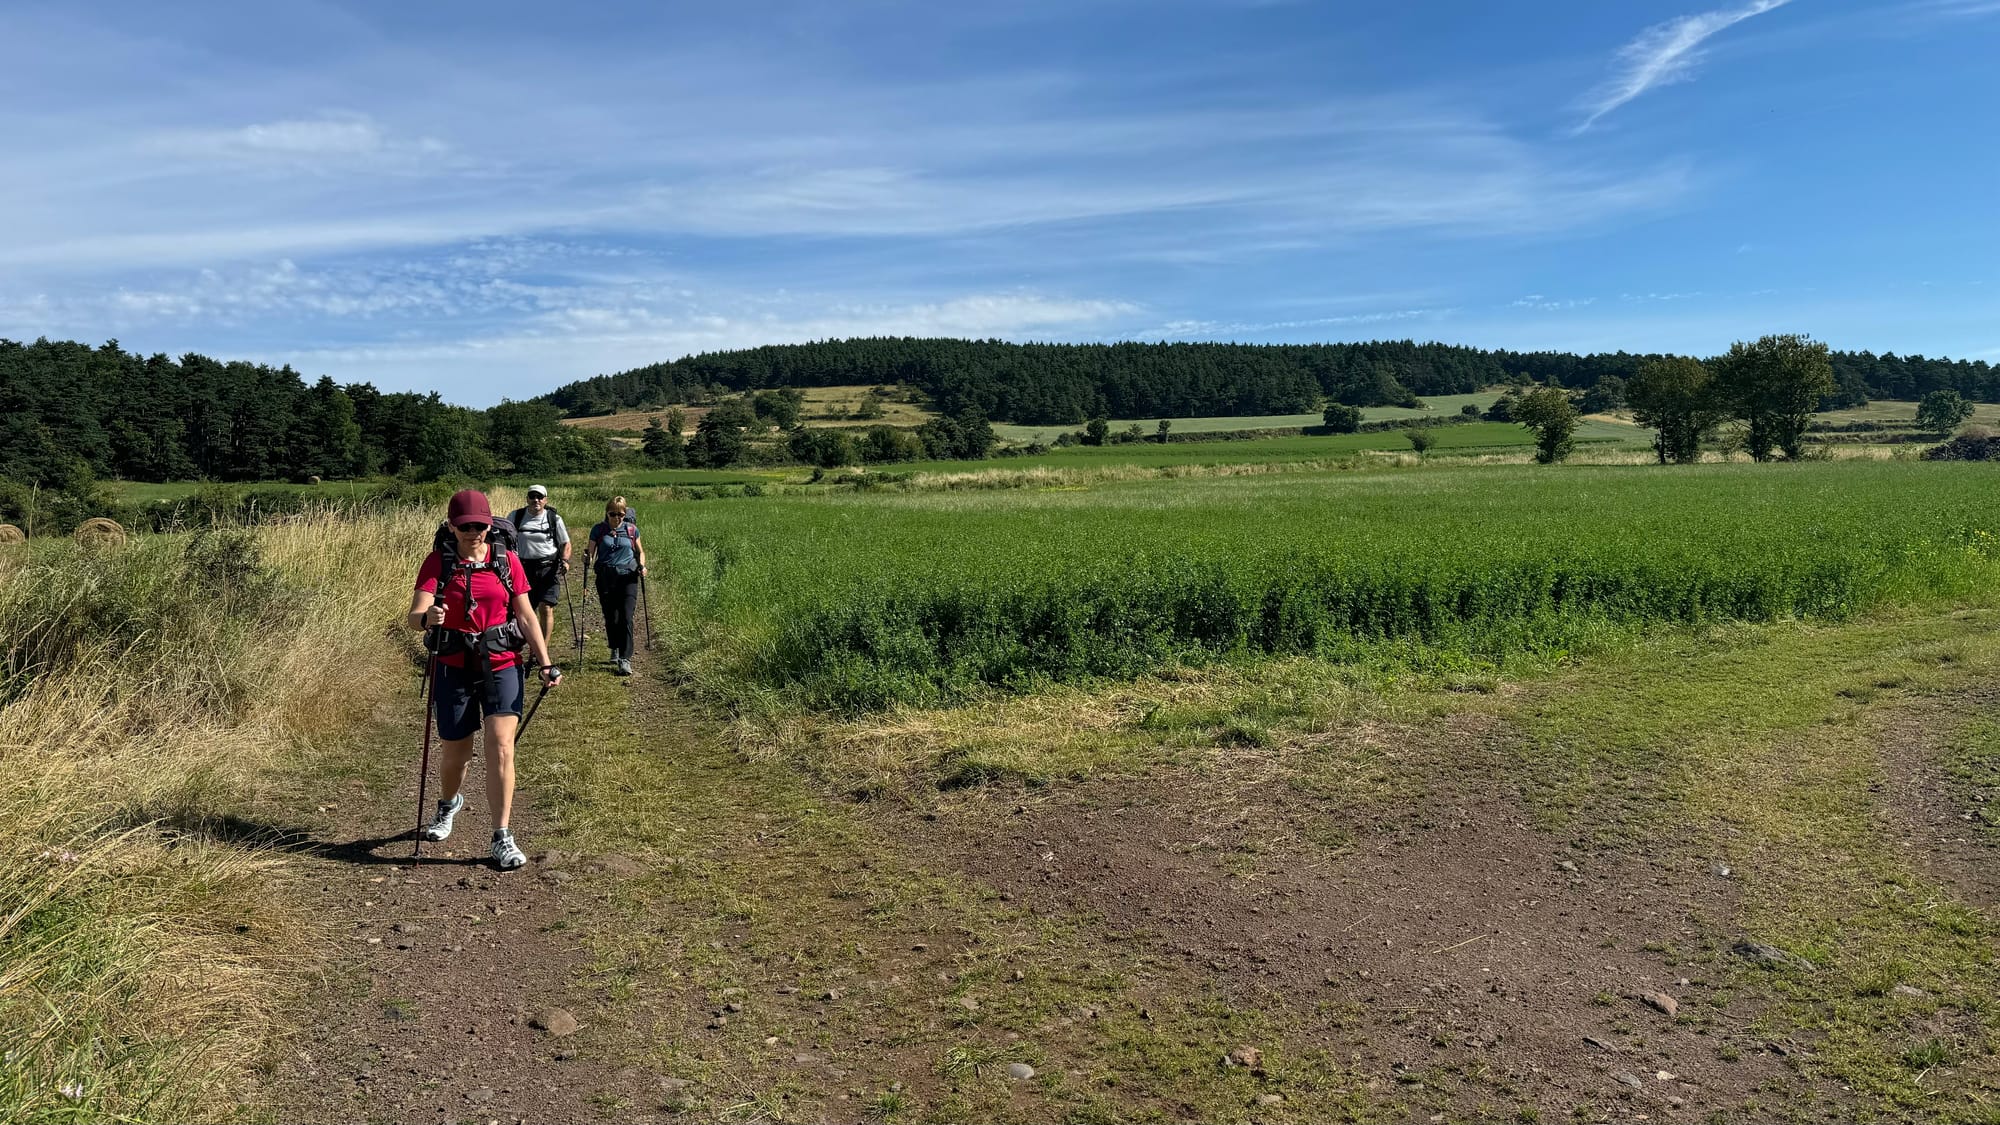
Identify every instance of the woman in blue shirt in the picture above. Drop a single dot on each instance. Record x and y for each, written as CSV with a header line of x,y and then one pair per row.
x,y
620,564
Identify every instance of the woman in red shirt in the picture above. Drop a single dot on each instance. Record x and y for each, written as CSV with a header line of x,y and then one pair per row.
x,y
473,691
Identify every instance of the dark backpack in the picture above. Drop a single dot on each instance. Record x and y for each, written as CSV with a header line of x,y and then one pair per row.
x,y
505,637
518,515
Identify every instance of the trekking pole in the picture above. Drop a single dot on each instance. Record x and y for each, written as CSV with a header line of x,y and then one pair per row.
x,y
430,713
532,708
646,611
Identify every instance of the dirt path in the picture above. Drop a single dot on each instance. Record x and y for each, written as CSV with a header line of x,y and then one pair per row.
x,y
1483,957
733,943
1935,816
440,968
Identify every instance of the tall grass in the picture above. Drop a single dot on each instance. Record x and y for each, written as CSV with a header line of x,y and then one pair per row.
x,y
145,958
861,601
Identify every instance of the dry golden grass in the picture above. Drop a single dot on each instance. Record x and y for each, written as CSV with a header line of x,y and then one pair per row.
x,y
145,956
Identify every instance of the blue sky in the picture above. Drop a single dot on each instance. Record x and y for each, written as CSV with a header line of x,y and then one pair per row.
x,y
489,200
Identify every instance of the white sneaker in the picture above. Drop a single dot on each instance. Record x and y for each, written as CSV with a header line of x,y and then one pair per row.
x,y
441,827
507,854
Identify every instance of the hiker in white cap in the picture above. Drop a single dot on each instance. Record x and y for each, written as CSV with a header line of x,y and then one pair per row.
x,y
543,544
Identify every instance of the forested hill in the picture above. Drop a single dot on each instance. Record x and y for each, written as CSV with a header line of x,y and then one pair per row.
x,y
1063,384
70,412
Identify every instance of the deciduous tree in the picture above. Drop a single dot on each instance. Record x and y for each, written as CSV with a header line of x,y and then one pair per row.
x,y
1774,385
1678,398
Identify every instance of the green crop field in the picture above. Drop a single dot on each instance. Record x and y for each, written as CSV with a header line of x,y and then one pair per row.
x,y
863,600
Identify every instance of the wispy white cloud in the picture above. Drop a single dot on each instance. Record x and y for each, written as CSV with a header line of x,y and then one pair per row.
x,y
1662,54
344,141
575,341
1551,304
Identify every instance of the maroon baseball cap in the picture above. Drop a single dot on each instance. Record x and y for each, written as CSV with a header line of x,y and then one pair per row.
x,y
469,506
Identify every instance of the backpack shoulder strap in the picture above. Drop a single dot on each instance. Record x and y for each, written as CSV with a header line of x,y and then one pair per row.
x,y
514,517
496,557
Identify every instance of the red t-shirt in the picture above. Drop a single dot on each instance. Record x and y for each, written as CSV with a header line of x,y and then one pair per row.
x,y
489,599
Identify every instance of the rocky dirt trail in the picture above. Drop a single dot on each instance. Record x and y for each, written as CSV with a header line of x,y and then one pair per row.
x,y
453,993
760,951
1486,959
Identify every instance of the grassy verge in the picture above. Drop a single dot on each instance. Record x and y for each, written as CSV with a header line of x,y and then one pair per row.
x,y
143,964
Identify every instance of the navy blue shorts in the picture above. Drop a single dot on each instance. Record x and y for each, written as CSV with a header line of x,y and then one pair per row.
x,y
461,703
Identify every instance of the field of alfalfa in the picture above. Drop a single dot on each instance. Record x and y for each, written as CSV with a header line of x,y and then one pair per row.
x,y
858,601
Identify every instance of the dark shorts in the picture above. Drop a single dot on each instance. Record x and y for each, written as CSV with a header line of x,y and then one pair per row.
x,y
544,587
462,699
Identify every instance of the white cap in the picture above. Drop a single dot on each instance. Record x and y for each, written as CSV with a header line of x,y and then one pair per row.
x,y
538,489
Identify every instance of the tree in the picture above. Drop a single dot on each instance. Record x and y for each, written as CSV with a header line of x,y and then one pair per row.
x,y
1677,397
1606,396
779,407
975,435
1502,409
1094,432
1774,386
718,438
1420,438
520,436
887,443
1160,435
661,448
1341,418
1549,413
1941,412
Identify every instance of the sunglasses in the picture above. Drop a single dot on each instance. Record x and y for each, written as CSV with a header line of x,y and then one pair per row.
x,y
472,528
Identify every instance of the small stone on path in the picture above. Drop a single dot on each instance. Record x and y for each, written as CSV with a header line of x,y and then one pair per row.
x,y
1270,1099
480,1096
1020,1071
1769,956
555,1021
1249,1057
407,928
1662,1002
1910,991
1625,1079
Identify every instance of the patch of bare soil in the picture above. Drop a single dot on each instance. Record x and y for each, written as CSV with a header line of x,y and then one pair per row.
x,y
1936,817
450,982
1485,961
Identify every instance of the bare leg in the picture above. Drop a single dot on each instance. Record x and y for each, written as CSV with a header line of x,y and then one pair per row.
x,y
452,763
547,614
500,767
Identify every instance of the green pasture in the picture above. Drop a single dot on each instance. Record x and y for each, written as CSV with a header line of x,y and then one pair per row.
x,y
508,490
1441,406
1474,437
859,600
1891,412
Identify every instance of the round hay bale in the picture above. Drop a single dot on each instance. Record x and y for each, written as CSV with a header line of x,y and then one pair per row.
x,y
312,480
11,534
99,534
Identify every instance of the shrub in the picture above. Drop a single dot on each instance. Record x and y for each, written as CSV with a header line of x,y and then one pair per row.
x,y
1974,443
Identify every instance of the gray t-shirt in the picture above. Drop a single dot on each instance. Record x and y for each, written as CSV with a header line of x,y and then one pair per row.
x,y
537,538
